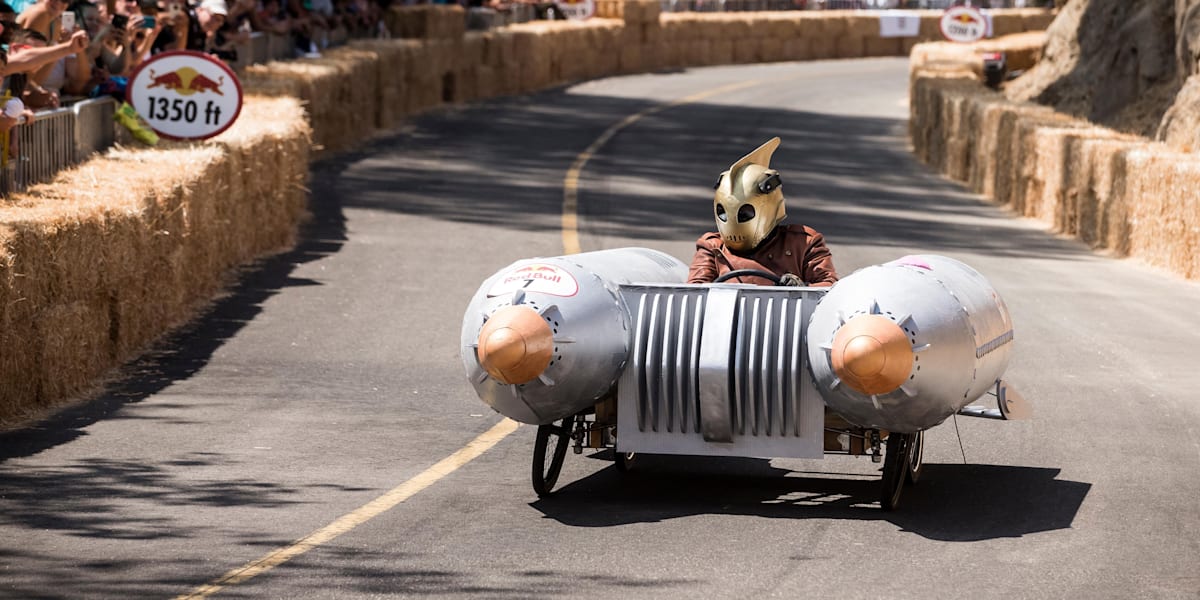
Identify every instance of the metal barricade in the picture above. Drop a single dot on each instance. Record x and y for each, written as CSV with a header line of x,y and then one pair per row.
x,y
55,140
94,126
42,148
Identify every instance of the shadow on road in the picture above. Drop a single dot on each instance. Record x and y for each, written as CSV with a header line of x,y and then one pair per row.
x,y
854,178
959,503
185,351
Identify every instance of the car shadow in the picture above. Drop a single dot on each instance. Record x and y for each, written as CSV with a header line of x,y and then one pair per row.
x,y
951,502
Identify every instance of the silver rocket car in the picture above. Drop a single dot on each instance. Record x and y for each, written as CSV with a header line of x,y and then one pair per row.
x,y
589,345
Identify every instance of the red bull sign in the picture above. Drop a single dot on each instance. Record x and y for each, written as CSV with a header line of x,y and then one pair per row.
x,y
576,10
964,24
185,95
536,277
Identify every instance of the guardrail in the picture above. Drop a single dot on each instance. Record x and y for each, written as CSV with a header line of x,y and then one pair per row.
x,y
55,140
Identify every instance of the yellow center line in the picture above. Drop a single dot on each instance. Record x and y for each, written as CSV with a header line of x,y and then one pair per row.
x,y
479,445
570,206
368,511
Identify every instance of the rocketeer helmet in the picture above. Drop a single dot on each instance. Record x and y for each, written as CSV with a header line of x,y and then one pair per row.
x,y
749,199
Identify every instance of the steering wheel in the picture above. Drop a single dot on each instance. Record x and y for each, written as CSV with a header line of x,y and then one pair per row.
x,y
748,272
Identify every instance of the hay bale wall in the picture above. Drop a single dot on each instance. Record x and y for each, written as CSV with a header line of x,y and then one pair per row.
x,y
109,256
89,277
1120,193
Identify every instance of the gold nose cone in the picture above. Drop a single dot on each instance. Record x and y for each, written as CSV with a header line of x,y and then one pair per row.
x,y
515,345
871,354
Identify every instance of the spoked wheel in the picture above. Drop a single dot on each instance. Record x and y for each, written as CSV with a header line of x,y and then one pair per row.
x,y
916,457
549,451
895,468
625,461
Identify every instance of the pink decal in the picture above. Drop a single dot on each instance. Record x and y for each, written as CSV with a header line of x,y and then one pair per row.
x,y
912,261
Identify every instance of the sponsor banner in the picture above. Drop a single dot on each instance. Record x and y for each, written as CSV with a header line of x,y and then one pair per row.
x,y
576,10
899,23
185,95
965,24
543,278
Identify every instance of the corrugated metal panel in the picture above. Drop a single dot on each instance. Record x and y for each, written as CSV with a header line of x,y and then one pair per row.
x,y
665,351
757,389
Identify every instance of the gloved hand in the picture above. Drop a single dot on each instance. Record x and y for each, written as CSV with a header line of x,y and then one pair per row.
x,y
791,280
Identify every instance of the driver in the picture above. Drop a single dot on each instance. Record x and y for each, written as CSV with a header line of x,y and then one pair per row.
x,y
749,209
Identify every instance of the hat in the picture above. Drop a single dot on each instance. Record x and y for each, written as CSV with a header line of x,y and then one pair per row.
x,y
13,108
216,7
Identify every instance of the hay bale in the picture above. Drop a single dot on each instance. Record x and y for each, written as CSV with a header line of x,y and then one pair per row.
x,y
426,21
392,71
877,46
1164,187
771,50
747,50
798,48
631,58
1006,22
1036,20
1101,208
1088,181
330,87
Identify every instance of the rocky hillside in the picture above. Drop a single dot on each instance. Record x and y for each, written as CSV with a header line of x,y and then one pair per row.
x,y
1128,64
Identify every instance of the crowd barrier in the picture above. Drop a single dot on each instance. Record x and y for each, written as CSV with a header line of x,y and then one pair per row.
x,y
113,253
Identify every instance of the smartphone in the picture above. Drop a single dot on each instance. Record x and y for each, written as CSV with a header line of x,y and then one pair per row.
x,y
148,22
68,21
119,22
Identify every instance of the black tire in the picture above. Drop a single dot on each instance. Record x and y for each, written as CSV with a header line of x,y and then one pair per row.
x,y
625,461
553,440
916,457
749,273
895,469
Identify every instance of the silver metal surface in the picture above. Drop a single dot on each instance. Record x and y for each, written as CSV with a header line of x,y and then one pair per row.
x,y
579,297
94,126
743,374
958,325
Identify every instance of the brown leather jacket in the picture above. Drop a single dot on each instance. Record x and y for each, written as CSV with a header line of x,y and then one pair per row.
x,y
794,249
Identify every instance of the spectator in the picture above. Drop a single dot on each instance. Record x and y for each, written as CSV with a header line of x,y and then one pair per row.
x,y
109,47
239,22
13,111
67,75
43,17
272,18
306,30
191,28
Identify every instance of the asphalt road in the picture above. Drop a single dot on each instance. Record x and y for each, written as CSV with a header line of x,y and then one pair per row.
x,y
330,377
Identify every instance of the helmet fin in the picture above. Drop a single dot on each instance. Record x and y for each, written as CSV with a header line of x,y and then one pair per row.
x,y
761,156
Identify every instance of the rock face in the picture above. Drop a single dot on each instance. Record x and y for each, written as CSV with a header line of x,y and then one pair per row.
x,y
1125,64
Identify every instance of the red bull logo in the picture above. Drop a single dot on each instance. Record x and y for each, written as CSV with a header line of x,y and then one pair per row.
x,y
963,24
186,81
542,278
535,272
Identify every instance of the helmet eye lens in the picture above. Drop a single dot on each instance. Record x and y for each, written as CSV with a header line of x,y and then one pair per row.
x,y
745,213
721,213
